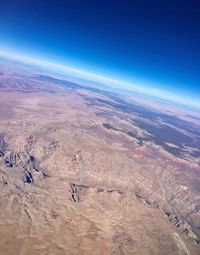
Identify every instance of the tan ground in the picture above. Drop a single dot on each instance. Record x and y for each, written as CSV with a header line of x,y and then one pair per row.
x,y
93,190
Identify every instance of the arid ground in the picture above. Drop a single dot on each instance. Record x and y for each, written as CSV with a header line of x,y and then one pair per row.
x,y
88,170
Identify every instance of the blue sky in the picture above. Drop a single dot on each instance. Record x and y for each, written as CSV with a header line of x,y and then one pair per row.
x,y
155,44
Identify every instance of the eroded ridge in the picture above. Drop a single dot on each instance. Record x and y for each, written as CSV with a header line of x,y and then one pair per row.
x,y
95,171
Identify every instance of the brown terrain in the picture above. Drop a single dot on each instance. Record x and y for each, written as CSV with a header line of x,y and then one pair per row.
x,y
85,170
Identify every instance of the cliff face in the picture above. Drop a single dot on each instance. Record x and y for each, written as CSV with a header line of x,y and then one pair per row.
x,y
79,175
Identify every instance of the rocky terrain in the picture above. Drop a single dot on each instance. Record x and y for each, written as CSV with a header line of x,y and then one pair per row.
x,y
89,171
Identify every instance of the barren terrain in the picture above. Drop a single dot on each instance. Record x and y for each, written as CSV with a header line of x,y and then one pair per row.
x,y
85,170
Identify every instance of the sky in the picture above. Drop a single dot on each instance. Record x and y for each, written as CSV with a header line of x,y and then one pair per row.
x,y
155,44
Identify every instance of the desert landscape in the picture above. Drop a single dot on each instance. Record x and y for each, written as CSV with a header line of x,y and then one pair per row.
x,y
85,170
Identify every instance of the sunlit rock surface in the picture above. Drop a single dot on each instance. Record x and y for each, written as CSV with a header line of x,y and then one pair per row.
x,y
85,170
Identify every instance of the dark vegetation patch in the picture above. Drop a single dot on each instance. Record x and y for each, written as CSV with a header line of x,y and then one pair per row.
x,y
159,134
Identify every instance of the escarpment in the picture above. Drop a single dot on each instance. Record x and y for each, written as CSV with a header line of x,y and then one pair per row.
x,y
88,171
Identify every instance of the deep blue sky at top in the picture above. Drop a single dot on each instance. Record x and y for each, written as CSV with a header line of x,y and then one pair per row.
x,y
147,40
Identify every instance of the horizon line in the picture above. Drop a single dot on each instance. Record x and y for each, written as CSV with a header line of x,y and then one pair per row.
x,y
118,84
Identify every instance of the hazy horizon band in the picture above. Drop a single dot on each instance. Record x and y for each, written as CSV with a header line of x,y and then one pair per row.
x,y
65,69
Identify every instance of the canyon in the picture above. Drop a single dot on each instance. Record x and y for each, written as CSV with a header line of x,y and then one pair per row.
x,y
87,170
